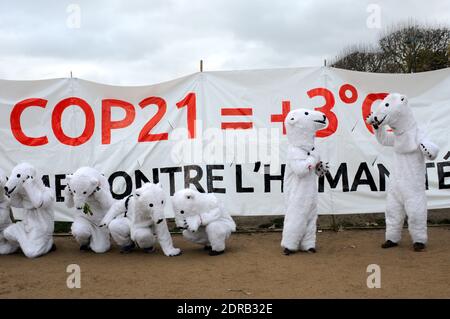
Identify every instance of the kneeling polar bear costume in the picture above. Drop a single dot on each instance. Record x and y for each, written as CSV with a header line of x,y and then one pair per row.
x,y
300,185
406,193
34,234
139,219
6,247
203,219
89,192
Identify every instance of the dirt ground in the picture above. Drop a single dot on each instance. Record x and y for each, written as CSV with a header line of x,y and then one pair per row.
x,y
253,267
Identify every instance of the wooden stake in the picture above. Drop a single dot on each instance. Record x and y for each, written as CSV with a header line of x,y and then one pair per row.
x,y
334,225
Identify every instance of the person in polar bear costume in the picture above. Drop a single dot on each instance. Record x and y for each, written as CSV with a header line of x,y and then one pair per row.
x,y
300,185
139,219
34,234
203,220
89,192
406,193
6,247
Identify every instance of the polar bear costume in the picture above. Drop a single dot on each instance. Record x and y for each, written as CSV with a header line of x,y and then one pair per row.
x,y
406,193
6,247
139,219
34,234
89,192
203,219
300,185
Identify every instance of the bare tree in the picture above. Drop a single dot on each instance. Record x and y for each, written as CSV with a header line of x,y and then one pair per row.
x,y
401,49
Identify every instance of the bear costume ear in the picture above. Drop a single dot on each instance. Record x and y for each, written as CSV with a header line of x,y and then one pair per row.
x,y
32,172
94,182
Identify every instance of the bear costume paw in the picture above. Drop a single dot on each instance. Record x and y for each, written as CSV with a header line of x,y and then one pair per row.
x,y
216,253
429,150
175,252
128,249
388,244
372,120
85,247
322,168
419,247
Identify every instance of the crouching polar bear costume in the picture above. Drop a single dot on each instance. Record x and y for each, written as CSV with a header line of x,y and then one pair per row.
x,y
34,234
6,247
139,219
203,219
89,192
406,193
300,186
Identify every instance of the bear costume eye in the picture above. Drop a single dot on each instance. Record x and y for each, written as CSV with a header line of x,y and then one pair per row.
x,y
18,175
151,205
292,119
387,104
402,99
162,202
6,177
181,211
188,197
306,113
74,191
85,193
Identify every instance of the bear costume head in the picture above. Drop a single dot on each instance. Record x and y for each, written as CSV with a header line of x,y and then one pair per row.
x,y
185,202
18,176
395,112
150,201
302,125
83,183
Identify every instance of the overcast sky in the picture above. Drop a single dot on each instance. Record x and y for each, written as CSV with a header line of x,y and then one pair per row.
x,y
145,42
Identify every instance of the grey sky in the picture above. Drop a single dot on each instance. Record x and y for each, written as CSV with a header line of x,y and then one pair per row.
x,y
145,42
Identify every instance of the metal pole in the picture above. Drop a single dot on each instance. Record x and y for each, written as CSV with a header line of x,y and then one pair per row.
x,y
201,65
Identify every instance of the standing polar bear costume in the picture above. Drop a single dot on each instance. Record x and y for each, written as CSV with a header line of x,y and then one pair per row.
x,y
89,192
34,234
139,219
406,193
300,185
203,219
6,247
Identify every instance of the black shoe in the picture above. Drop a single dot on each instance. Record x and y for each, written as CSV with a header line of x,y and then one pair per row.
x,y
53,248
419,247
287,252
128,249
207,248
84,247
149,250
216,253
311,250
388,244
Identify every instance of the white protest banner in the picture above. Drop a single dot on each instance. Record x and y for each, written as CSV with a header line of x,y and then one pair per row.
x,y
221,132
